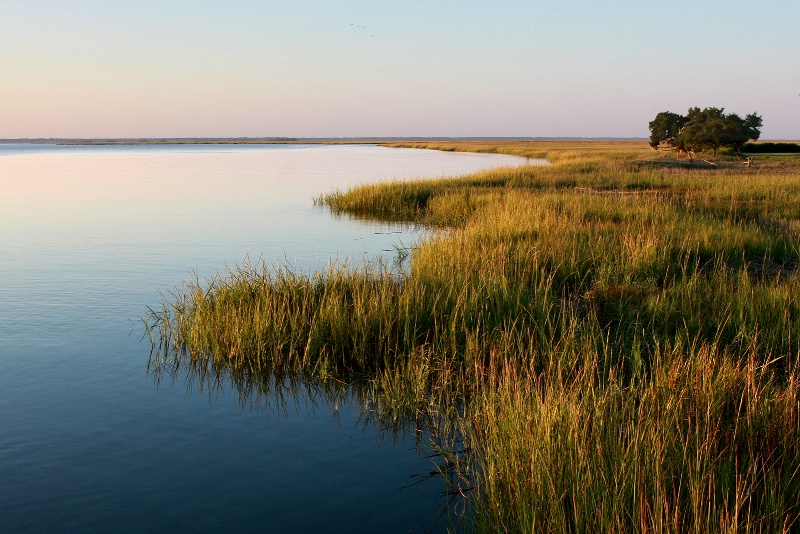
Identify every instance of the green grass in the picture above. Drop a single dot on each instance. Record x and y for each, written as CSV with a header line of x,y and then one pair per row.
x,y
614,338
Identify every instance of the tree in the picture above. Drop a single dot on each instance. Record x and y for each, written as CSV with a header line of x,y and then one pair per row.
x,y
707,129
665,128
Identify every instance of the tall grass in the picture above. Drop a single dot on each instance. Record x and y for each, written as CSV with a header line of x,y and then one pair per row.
x,y
705,443
614,338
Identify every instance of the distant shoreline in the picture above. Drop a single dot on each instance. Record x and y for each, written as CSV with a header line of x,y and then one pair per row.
x,y
284,140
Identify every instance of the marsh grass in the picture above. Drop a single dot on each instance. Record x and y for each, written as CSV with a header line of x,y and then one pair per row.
x,y
613,340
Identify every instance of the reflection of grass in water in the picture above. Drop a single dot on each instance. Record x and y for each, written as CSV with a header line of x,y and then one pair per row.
x,y
615,337
310,350
276,386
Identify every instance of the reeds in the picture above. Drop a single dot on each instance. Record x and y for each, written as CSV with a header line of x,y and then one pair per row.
x,y
704,443
614,337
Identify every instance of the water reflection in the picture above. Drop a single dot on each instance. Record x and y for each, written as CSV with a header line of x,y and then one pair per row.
x,y
90,235
278,393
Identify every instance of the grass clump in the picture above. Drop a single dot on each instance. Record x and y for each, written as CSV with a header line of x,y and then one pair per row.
x,y
705,443
613,338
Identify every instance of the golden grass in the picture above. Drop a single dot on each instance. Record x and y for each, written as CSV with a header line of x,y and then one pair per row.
x,y
614,338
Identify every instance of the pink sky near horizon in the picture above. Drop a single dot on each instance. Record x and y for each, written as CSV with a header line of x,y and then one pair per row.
x,y
354,68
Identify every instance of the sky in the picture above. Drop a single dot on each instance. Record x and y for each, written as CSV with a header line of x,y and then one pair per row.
x,y
323,68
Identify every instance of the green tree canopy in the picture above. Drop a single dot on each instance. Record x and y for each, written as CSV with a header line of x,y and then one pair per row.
x,y
707,129
665,128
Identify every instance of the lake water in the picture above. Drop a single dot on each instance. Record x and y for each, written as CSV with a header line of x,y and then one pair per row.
x,y
89,237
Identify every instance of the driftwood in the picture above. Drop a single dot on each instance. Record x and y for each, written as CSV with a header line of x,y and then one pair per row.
x,y
625,192
692,153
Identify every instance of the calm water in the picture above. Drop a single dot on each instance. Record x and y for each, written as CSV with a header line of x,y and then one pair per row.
x,y
89,236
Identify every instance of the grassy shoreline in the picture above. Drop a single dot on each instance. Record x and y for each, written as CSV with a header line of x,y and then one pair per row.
x,y
615,337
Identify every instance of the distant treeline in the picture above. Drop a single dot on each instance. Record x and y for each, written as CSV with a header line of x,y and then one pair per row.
x,y
771,148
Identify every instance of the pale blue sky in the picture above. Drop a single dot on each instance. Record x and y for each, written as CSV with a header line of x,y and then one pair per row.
x,y
412,68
